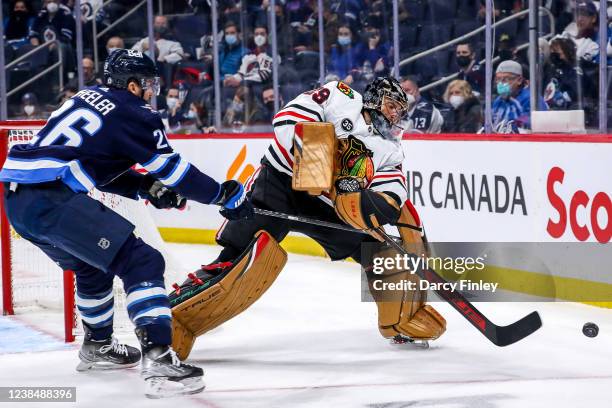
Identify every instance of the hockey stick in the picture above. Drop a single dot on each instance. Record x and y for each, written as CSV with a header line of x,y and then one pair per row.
x,y
498,335
321,223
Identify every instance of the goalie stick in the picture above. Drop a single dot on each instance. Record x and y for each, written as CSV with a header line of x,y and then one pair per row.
x,y
321,223
499,335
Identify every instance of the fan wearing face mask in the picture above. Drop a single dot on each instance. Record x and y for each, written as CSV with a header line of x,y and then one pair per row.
x,y
256,66
422,116
469,69
231,52
30,108
344,58
467,112
17,25
52,23
512,103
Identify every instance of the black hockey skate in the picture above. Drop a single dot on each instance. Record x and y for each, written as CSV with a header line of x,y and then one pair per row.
x,y
106,354
405,341
164,374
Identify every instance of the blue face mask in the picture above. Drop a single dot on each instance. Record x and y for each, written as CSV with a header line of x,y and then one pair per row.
x,y
344,40
231,39
504,89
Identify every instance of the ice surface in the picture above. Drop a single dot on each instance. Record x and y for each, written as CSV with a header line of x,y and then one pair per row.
x,y
311,342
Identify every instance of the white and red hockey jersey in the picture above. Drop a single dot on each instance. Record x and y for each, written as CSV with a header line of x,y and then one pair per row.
x,y
366,155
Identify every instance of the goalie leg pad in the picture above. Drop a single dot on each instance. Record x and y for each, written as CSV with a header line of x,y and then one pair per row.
x,y
202,306
409,315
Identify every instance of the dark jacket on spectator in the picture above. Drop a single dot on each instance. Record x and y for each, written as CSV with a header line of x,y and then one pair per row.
x,y
17,26
60,27
230,58
467,118
475,76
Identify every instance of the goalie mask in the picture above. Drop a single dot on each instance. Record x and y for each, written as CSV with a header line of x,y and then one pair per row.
x,y
386,103
123,65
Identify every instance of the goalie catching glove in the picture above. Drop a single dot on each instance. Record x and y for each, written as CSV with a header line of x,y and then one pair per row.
x,y
159,195
366,209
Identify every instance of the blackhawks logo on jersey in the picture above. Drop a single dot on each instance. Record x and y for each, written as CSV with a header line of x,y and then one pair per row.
x,y
356,160
345,89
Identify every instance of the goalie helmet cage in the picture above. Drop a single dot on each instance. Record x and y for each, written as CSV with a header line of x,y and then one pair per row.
x,y
31,281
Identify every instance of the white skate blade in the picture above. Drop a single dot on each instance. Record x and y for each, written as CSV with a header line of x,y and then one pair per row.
x,y
161,387
409,344
102,365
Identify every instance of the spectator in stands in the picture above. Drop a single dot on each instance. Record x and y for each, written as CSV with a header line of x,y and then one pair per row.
x,y
373,54
467,112
564,77
52,23
469,69
89,75
267,97
256,66
244,109
585,33
506,48
30,109
503,8
343,58
566,85
300,14
55,23
512,104
166,50
17,25
172,114
423,116
231,51
114,43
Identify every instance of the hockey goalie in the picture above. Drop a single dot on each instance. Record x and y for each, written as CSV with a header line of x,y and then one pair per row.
x,y
336,156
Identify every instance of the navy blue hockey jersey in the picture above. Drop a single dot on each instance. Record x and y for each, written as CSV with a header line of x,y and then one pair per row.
x,y
94,139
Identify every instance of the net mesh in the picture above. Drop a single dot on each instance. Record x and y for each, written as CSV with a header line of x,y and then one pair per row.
x,y
37,282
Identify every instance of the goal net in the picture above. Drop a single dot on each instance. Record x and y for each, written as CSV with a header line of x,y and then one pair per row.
x,y
32,282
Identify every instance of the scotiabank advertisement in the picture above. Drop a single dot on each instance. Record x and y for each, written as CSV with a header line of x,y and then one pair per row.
x,y
465,190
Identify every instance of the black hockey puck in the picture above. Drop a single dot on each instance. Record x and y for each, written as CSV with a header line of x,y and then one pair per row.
x,y
590,329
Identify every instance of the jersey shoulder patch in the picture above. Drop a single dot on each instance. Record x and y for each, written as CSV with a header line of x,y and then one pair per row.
x,y
345,89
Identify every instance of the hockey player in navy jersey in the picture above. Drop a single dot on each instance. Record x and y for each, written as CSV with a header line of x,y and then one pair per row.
x,y
93,140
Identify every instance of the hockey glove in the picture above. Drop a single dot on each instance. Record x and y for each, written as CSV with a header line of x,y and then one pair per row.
x,y
234,201
159,195
366,209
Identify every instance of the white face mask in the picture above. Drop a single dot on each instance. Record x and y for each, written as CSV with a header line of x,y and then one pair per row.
x,y
260,40
411,99
171,102
456,100
29,109
110,50
52,7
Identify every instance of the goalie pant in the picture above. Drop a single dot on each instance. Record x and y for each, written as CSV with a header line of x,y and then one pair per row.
x,y
271,189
